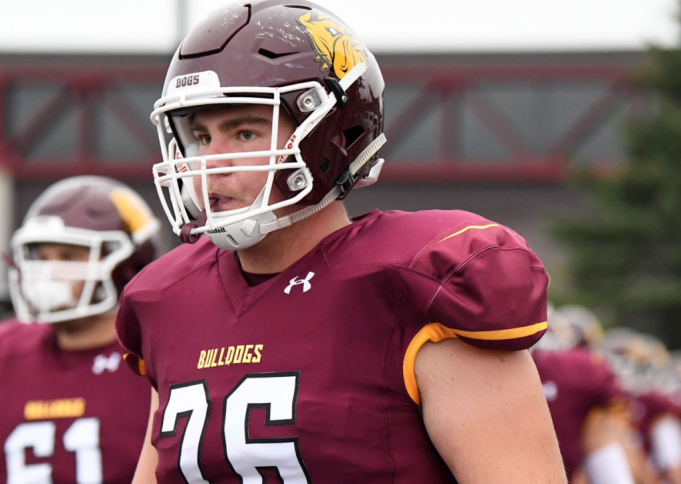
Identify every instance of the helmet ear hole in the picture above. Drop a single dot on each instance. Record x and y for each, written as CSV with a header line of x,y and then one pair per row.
x,y
351,135
340,140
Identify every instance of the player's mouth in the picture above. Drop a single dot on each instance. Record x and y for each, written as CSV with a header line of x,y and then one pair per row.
x,y
221,203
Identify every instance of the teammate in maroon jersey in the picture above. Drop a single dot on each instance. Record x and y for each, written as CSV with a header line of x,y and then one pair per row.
x,y
291,344
70,413
590,409
580,390
642,361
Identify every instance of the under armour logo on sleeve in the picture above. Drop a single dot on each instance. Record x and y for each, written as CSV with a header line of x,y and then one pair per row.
x,y
305,282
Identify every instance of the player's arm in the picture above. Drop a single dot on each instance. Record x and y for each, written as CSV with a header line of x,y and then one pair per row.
x,y
665,436
611,454
146,466
486,414
129,335
608,453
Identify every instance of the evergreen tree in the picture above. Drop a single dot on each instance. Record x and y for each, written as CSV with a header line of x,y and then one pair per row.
x,y
626,258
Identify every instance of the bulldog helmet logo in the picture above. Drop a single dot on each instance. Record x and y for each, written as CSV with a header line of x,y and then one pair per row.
x,y
336,47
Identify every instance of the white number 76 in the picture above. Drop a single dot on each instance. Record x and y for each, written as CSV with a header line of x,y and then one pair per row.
x,y
276,392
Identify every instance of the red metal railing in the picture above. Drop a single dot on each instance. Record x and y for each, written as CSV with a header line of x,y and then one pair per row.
x,y
83,88
524,163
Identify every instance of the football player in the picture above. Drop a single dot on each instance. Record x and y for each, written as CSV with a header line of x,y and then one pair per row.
x,y
586,402
642,362
71,413
288,343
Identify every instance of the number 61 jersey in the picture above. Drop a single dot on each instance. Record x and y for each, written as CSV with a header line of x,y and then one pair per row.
x,y
67,416
309,376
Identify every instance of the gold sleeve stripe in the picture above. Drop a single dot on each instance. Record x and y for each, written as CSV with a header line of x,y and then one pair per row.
x,y
436,332
477,227
512,333
133,215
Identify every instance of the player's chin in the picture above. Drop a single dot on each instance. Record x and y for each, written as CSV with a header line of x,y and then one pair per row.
x,y
73,324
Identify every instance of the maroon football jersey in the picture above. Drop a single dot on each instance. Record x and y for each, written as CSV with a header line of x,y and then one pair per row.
x,y
646,409
575,382
67,416
308,376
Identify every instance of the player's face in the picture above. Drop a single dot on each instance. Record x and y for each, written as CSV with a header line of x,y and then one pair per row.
x,y
236,129
65,253
62,252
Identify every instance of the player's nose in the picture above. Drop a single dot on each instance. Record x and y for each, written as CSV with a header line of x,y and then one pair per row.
x,y
217,161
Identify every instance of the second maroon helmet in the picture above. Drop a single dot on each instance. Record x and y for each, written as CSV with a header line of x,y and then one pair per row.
x,y
294,56
107,219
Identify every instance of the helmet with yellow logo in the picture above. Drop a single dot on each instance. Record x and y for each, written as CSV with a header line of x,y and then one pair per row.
x,y
81,241
639,360
575,325
293,56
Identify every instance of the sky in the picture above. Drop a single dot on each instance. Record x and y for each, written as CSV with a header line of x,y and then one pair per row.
x,y
156,26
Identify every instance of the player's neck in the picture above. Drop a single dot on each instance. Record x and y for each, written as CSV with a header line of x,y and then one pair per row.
x,y
86,333
281,248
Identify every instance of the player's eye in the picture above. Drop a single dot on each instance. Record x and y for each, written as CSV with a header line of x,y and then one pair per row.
x,y
201,137
74,255
247,135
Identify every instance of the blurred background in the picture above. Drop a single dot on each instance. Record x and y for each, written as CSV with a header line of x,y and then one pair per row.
x,y
558,119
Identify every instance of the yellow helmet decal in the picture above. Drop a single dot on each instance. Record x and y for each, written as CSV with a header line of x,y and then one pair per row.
x,y
133,214
337,49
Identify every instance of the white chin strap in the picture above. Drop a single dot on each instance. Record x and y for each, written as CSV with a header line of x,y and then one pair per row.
x,y
243,234
335,192
246,233
48,295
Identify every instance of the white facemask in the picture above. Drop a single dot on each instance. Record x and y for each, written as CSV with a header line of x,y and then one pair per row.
x,y
49,295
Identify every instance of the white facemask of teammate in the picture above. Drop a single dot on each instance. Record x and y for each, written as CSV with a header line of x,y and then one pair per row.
x,y
48,295
51,291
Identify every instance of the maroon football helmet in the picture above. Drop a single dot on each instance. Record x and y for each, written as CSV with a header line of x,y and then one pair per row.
x,y
295,56
102,215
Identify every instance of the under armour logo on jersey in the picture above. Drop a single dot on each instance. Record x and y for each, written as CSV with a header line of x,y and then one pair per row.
x,y
305,282
109,363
